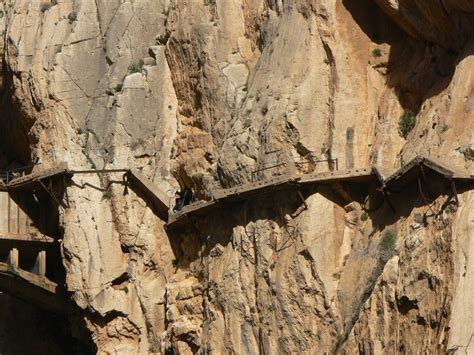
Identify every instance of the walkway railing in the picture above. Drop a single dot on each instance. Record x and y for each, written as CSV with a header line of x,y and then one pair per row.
x,y
8,175
332,163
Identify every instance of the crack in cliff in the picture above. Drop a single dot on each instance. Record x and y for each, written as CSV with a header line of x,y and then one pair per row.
x,y
332,84
371,283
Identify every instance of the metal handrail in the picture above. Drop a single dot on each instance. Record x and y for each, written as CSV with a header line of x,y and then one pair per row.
x,y
254,173
309,161
8,175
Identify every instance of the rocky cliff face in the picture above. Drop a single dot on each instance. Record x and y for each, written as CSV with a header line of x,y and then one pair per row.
x,y
203,93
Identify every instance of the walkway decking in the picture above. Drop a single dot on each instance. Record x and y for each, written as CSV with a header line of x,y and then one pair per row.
x,y
37,289
31,288
405,175
18,239
32,180
159,199
416,168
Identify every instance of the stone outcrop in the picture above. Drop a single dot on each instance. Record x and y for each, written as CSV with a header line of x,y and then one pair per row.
x,y
447,23
201,94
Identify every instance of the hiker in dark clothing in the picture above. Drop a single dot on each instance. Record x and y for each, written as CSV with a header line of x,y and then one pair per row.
x,y
183,198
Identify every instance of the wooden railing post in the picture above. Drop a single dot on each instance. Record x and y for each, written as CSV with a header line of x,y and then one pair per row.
x,y
13,258
40,264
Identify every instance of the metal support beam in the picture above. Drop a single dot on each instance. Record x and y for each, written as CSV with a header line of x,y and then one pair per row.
x,y
386,195
302,199
420,188
427,202
50,192
455,191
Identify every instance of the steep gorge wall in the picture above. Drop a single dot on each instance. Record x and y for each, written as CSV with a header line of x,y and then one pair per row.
x,y
202,93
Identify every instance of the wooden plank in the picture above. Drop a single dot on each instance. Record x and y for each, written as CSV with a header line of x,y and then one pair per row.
x,y
254,188
26,238
160,199
31,288
32,178
200,207
351,175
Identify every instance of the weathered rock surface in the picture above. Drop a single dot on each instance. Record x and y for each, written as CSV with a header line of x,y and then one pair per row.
x,y
202,94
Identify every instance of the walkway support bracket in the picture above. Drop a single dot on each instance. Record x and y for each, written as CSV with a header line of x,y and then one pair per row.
x,y
455,191
302,199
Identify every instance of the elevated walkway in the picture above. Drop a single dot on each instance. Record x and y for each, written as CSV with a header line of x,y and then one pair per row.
x,y
17,234
403,176
36,288
196,208
32,180
159,199
271,185
255,188
417,167
31,287
358,176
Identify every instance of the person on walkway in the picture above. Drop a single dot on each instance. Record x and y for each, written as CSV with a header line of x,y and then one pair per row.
x,y
183,198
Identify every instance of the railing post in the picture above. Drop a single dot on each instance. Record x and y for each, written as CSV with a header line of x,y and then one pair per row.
x,y
291,168
40,264
13,258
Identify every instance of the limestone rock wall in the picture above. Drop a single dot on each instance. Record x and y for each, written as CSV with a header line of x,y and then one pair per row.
x,y
203,93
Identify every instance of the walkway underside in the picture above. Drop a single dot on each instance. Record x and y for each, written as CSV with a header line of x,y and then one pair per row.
x,y
31,288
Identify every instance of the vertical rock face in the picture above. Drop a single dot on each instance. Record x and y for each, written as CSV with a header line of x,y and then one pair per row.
x,y
201,94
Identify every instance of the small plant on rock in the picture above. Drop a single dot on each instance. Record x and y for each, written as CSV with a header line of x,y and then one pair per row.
x,y
407,123
72,17
107,194
45,6
118,87
388,240
247,123
419,218
136,67
377,52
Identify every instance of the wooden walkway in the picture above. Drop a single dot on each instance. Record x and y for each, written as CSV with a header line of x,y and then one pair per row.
x,y
33,180
37,289
32,287
18,237
159,199
403,176
162,202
